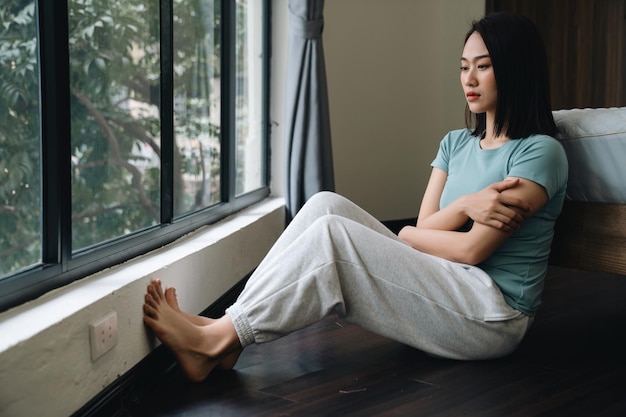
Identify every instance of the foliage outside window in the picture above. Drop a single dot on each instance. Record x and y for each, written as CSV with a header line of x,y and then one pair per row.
x,y
166,130
20,182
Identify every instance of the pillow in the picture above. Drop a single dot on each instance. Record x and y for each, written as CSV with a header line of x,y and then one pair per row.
x,y
595,143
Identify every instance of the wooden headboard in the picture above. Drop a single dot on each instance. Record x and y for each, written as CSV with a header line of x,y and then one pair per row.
x,y
591,236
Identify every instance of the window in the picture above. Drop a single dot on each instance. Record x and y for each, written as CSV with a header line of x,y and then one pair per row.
x,y
123,125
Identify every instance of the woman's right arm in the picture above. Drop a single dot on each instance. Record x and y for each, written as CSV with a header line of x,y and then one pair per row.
x,y
490,206
480,241
430,216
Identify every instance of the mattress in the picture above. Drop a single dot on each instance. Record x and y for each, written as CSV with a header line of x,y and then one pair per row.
x,y
595,143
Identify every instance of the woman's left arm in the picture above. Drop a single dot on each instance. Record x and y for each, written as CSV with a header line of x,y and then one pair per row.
x,y
481,241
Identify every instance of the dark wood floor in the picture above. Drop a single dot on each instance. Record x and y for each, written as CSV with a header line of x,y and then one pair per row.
x,y
572,363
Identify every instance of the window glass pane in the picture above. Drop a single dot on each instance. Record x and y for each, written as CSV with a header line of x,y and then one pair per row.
x,y
249,95
196,104
20,172
114,81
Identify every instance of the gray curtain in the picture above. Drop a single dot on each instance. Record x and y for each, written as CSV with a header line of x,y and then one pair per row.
x,y
309,153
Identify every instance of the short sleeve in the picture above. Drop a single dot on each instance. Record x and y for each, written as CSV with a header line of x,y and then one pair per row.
x,y
446,147
443,155
531,160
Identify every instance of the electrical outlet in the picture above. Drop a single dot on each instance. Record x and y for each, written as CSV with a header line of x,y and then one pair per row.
x,y
103,335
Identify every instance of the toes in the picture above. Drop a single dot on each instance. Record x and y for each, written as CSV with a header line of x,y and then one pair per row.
x,y
170,297
149,311
155,291
149,300
170,293
159,289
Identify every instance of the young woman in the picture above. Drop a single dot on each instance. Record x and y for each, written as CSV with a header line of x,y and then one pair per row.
x,y
464,282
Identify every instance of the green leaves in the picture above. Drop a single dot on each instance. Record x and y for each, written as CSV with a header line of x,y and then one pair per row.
x,y
114,71
20,213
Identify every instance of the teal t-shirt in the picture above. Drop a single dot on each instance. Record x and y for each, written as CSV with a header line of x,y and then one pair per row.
x,y
519,265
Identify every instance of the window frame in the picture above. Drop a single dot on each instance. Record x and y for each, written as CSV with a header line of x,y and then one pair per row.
x,y
58,266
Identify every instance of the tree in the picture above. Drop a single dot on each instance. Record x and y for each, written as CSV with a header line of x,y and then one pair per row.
x,y
19,137
114,73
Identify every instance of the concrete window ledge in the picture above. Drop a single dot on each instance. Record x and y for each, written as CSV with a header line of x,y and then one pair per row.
x,y
45,356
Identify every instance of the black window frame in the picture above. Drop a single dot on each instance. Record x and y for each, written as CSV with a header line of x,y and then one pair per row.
x,y
58,266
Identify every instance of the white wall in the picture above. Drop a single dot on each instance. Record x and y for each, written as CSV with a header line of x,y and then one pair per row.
x,y
394,92
392,71
45,363
45,360
278,64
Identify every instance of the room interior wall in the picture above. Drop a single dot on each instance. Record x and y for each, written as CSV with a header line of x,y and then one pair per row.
x,y
392,70
46,367
586,47
45,363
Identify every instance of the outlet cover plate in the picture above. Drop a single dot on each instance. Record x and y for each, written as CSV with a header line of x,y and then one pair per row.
x,y
103,335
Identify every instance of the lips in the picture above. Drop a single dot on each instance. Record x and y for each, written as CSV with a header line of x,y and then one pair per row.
x,y
472,96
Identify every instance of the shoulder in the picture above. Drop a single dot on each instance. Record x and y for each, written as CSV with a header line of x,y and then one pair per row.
x,y
458,134
453,143
541,158
543,146
456,138
542,142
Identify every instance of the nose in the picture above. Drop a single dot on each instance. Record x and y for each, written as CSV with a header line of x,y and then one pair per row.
x,y
468,77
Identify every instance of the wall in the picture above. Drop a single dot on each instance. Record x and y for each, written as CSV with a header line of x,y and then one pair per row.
x,y
394,92
45,363
392,70
278,61
586,48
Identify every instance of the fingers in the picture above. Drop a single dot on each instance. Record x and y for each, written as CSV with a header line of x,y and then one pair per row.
x,y
510,225
506,199
513,214
504,218
507,184
504,184
514,204
503,223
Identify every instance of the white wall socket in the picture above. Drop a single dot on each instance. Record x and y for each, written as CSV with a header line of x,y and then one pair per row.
x,y
103,335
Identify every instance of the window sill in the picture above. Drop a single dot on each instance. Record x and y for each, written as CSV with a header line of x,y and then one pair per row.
x,y
44,344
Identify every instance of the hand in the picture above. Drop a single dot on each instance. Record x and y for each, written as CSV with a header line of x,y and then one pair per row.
x,y
491,207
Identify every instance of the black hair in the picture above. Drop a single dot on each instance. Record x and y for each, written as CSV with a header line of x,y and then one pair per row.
x,y
520,67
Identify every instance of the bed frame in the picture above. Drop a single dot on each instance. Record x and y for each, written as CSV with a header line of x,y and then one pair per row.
x,y
591,236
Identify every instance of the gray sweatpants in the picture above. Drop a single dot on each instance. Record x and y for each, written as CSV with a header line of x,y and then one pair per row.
x,y
336,258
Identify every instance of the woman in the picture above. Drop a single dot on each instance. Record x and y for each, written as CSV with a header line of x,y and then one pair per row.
x,y
464,282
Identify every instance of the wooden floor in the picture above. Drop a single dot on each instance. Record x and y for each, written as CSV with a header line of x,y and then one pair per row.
x,y
572,363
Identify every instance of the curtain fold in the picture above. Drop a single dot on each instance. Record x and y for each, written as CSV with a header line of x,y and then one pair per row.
x,y
309,152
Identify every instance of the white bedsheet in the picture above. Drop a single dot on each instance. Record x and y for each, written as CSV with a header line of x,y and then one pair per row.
x,y
595,143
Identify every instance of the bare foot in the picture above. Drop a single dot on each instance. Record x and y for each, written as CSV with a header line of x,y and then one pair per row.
x,y
170,297
198,349
229,361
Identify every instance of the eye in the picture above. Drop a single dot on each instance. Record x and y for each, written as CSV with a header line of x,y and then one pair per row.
x,y
464,68
484,66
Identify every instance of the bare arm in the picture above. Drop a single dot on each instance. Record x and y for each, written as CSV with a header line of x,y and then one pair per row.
x,y
430,217
493,207
482,240
490,206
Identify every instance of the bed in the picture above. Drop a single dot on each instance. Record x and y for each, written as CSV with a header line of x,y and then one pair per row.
x,y
591,231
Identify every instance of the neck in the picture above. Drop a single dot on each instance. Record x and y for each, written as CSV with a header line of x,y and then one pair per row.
x,y
489,125
490,139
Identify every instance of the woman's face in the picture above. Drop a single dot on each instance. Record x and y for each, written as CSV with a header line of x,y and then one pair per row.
x,y
477,76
